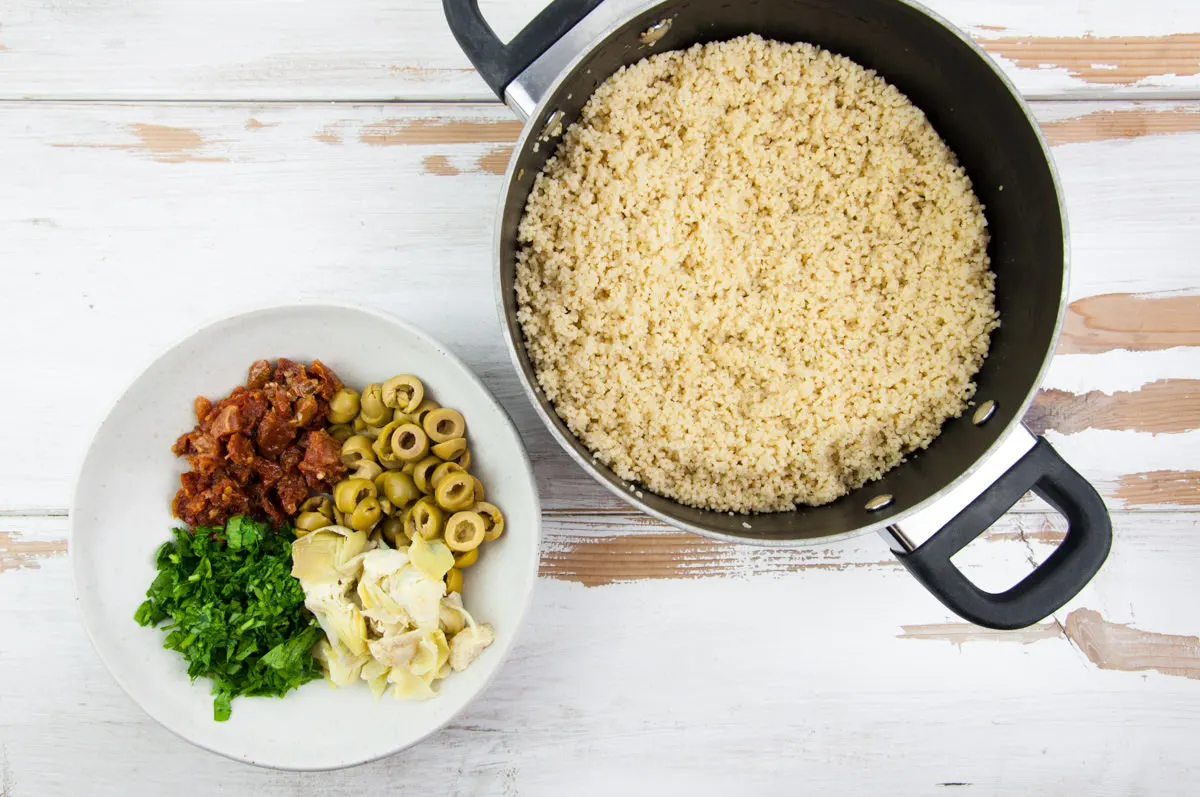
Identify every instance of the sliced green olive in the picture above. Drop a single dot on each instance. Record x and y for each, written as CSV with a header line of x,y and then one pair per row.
x,y
366,469
374,412
444,424
466,558
340,432
442,471
318,503
409,443
386,505
450,450
403,417
454,580
343,406
349,492
408,468
424,518
358,424
403,392
395,464
465,460
366,514
399,488
478,489
426,406
383,443
310,521
493,520
455,492
357,448
464,531
423,472
379,481
392,529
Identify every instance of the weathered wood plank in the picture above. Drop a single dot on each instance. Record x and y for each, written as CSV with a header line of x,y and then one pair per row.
x,y
1122,123
1126,61
1164,406
1130,321
379,51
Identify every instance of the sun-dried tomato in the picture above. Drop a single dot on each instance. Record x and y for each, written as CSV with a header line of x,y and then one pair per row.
x,y
262,449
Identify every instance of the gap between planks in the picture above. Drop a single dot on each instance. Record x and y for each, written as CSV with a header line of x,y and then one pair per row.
x,y
604,547
1104,68
1080,97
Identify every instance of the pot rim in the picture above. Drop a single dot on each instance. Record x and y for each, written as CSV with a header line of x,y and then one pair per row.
x,y
567,443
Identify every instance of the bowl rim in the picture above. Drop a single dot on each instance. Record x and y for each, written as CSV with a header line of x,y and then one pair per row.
x,y
246,311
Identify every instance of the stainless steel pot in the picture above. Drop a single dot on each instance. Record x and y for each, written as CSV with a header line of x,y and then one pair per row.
x,y
944,497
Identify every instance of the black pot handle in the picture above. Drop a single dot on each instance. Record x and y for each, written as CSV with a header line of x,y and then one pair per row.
x,y
498,63
1051,584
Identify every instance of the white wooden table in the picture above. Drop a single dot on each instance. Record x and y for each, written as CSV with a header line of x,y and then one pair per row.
x,y
167,162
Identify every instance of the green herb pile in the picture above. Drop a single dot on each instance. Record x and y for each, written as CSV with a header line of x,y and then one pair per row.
x,y
234,610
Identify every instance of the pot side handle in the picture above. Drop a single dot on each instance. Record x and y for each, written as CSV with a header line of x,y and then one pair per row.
x,y
498,63
1052,583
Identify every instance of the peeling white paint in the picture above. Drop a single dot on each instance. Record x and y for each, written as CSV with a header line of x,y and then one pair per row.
x,y
1121,370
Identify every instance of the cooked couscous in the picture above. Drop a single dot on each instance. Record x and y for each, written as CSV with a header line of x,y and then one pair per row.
x,y
753,276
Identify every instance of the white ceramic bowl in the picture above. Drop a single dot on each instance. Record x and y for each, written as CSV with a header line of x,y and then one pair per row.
x,y
121,514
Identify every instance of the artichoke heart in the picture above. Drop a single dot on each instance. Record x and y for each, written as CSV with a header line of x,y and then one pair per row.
x,y
433,558
395,650
386,613
343,625
407,686
374,586
341,666
375,673
425,660
327,555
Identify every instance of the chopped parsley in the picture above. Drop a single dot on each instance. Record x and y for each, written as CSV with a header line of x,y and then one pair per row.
x,y
233,610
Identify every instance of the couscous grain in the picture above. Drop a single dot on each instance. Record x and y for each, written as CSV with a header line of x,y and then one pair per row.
x,y
753,276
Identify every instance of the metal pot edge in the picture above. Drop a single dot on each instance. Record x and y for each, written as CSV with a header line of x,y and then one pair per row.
x,y
532,391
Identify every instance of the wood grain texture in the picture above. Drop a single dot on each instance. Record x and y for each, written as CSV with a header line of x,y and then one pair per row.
x,y
1109,60
958,634
1159,487
1119,646
1120,124
1108,645
100,229
1164,406
495,161
1130,321
16,552
417,132
609,559
163,143
383,50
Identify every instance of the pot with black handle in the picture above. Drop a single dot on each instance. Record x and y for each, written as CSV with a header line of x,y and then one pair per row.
x,y
941,499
